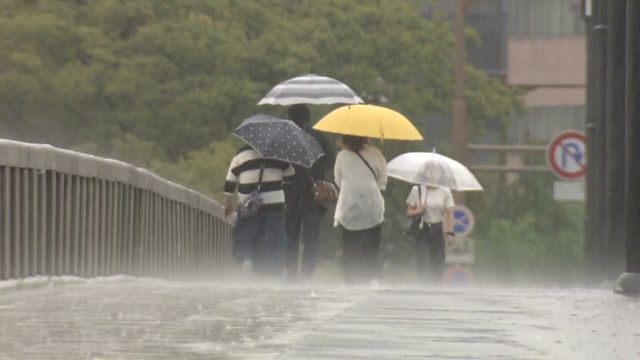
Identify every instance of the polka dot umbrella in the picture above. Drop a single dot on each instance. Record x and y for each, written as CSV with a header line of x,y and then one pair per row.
x,y
279,139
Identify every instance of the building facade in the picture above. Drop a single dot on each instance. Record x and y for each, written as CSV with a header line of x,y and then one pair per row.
x,y
540,46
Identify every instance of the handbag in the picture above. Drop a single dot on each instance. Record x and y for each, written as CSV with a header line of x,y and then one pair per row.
x,y
324,193
250,205
413,226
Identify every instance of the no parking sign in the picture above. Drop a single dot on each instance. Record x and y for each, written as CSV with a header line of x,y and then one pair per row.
x,y
463,220
461,250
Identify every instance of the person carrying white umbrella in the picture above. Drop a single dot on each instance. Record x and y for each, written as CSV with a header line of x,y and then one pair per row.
x,y
430,203
433,205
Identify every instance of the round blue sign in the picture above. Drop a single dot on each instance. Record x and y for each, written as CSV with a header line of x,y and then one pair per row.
x,y
463,220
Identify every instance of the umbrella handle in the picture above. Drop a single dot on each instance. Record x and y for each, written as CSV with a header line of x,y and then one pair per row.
x,y
426,193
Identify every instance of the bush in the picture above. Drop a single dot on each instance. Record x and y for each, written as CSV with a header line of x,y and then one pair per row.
x,y
523,234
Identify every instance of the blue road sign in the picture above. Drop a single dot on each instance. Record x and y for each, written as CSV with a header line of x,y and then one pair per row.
x,y
463,220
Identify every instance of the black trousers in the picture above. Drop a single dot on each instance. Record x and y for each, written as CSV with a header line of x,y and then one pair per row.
x,y
310,226
361,254
430,252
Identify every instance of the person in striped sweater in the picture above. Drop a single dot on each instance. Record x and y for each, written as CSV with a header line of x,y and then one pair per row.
x,y
259,237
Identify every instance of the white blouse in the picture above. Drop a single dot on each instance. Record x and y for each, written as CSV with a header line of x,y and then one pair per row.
x,y
438,201
360,204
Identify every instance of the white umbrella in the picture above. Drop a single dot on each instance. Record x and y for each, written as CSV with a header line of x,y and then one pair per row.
x,y
310,89
433,169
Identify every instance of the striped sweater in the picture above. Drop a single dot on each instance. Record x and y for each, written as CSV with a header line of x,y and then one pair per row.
x,y
244,175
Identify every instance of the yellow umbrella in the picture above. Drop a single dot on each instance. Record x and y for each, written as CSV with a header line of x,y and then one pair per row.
x,y
368,121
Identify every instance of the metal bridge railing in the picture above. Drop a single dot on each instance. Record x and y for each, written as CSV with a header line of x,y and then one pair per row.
x,y
67,213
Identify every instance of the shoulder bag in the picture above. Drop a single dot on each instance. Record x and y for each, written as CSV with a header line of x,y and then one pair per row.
x,y
254,200
413,226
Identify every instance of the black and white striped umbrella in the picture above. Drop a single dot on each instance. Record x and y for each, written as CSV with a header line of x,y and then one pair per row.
x,y
310,89
279,139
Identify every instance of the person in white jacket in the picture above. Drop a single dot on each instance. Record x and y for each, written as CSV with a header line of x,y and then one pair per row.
x,y
360,172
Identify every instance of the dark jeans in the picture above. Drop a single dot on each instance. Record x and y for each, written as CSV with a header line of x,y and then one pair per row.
x,y
430,244
361,254
261,239
310,226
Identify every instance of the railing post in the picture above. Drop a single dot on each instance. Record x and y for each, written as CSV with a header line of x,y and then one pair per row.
x,y
141,226
5,227
66,269
121,229
75,221
173,239
44,215
17,205
162,239
33,222
146,249
182,254
96,243
218,245
157,238
192,241
210,249
107,227
131,220
83,215
25,222
60,224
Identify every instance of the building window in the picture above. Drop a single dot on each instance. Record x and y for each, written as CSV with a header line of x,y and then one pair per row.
x,y
544,18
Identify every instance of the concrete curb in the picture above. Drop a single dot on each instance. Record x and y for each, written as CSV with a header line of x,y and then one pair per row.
x,y
46,281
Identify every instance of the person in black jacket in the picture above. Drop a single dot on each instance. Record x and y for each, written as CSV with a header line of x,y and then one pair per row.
x,y
303,214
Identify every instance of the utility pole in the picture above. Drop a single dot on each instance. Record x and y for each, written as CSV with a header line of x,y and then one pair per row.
x,y
596,146
459,128
591,177
629,282
615,137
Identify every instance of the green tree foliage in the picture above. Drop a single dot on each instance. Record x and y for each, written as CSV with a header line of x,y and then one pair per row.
x,y
180,74
205,170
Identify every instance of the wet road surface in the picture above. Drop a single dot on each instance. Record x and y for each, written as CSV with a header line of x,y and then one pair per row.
x,y
128,318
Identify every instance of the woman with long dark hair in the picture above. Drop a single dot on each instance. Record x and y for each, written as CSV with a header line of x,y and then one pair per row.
x,y
361,173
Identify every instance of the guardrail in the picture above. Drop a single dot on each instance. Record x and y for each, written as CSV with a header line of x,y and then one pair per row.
x,y
68,213
509,148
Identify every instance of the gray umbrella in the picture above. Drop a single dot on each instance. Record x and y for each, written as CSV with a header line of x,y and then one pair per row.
x,y
279,139
310,89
